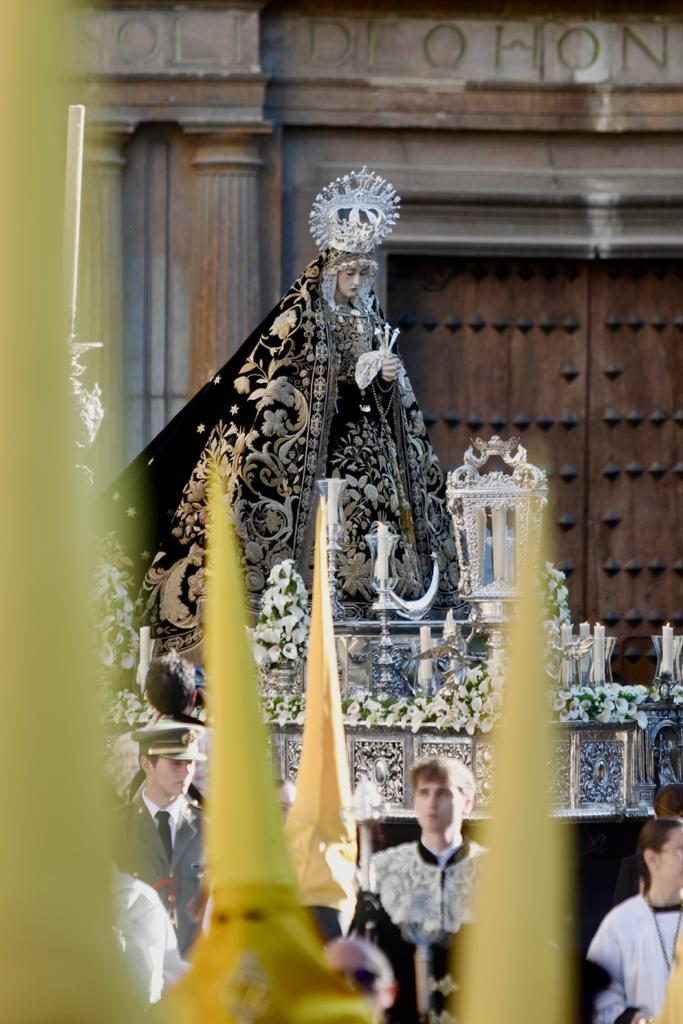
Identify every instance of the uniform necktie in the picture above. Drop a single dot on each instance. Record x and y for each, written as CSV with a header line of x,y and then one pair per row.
x,y
164,818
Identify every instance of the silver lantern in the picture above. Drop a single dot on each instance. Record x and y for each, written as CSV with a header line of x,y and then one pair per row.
x,y
495,516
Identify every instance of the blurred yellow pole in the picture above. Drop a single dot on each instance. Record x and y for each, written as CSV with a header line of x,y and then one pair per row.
x,y
58,961
261,959
512,971
320,831
672,1011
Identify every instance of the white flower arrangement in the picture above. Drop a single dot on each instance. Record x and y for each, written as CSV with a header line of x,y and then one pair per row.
x,y
117,638
610,703
556,595
281,633
476,704
125,707
280,639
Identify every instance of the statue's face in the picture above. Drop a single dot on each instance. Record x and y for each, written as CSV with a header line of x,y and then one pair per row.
x,y
348,283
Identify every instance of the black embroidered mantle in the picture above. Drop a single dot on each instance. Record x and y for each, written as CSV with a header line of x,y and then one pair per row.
x,y
283,412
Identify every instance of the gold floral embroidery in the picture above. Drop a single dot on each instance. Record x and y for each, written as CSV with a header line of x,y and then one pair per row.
x,y
283,433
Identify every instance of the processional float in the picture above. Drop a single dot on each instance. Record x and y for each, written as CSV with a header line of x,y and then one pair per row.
x,y
603,769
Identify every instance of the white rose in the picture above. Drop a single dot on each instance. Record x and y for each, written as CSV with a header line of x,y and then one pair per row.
x,y
106,654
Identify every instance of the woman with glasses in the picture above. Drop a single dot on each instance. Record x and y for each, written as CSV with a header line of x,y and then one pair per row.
x,y
635,942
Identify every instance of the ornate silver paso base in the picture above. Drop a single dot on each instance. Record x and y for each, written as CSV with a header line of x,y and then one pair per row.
x,y
595,773
281,681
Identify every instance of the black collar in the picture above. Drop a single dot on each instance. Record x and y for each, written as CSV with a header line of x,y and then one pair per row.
x,y
458,854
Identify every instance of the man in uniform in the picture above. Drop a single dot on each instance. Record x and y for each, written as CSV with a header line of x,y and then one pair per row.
x,y
159,836
423,892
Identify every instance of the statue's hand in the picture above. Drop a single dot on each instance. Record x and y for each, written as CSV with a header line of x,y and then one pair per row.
x,y
390,367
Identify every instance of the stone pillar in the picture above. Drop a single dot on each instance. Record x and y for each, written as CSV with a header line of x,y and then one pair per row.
x,y
226,286
100,289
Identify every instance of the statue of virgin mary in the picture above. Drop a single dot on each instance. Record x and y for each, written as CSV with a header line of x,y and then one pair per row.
x,y
314,392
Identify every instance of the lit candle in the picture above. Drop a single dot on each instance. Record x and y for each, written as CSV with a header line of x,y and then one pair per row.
x,y
599,654
667,650
424,672
499,537
584,664
382,563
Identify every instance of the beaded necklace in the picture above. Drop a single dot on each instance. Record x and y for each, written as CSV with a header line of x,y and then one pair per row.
x,y
667,961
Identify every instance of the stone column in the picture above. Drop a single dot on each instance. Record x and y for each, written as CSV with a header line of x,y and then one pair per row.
x,y
100,289
226,290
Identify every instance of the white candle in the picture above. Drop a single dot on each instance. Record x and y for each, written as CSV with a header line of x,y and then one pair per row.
x,y
480,520
566,667
599,654
382,563
667,649
424,672
72,207
144,656
499,536
510,557
334,489
365,853
584,664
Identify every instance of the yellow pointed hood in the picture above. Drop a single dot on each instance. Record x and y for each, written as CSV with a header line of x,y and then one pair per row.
x,y
526,879
319,829
261,959
60,960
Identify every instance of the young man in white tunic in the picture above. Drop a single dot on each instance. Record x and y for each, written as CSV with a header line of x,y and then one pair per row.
x,y
635,942
425,891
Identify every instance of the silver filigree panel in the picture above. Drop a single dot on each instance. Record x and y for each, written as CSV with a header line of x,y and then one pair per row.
x,y
293,747
383,762
601,772
459,749
560,777
484,773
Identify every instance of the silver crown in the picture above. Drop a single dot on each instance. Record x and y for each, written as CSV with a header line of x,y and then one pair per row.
x,y
354,213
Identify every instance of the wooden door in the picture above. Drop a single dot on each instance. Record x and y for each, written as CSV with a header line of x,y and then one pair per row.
x,y
582,361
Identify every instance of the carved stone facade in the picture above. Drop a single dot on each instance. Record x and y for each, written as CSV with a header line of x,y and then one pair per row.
x,y
519,135
540,164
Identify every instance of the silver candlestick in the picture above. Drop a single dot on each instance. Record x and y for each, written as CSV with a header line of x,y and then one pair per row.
x,y
333,549
382,542
385,660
